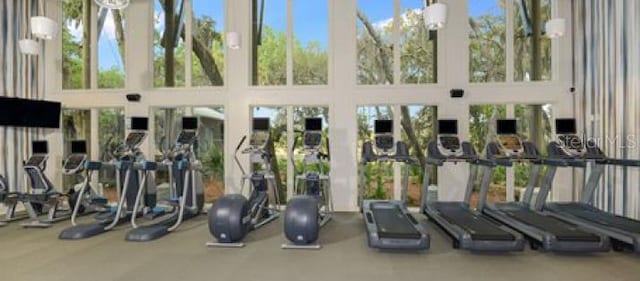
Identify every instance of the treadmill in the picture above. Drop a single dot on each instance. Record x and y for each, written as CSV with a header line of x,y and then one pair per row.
x,y
542,229
469,229
624,232
388,223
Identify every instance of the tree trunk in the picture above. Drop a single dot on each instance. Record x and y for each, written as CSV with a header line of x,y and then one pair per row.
x,y
254,43
86,43
169,43
207,62
117,20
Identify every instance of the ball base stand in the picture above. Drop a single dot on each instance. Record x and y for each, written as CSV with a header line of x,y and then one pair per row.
x,y
301,247
224,245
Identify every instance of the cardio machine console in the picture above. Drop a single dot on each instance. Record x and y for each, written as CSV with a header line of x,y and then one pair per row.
x,y
508,139
260,133
134,139
39,151
313,133
187,137
383,130
74,162
448,141
568,139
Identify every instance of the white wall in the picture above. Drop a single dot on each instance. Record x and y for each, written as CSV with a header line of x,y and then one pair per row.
x,y
342,95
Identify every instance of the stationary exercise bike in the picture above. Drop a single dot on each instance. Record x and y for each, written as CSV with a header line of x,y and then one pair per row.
x,y
312,207
234,215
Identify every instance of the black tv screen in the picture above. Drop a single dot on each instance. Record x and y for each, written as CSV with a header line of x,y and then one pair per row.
x,y
448,127
39,147
78,147
139,123
383,126
313,124
189,123
506,127
261,124
17,112
566,126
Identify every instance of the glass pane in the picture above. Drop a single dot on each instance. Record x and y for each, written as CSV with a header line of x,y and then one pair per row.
x,y
110,135
378,175
168,43
269,44
111,27
311,33
534,125
209,149
76,125
278,145
528,68
374,42
208,43
417,45
76,59
417,130
487,41
482,129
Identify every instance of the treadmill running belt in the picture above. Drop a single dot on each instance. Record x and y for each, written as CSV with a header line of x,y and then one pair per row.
x,y
393,224
477,225
563,231
600,217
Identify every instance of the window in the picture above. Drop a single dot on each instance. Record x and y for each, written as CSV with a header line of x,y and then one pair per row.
x,y
308,42
532,61
487,41
110,135
376,48
171,38
209,148
278,145
77,55
76,125
418,130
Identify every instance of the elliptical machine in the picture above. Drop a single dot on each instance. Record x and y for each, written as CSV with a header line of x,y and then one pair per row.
x,y
90,201
42,199
9,199
132,172
185,184
312,208
234,215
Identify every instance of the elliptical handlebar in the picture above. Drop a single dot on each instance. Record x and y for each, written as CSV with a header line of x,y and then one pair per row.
x,y
235,155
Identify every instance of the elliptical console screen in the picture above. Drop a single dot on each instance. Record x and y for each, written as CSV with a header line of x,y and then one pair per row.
x,y
189,123
506,127
134,139
313,124
448,127
78,147
39,147
139,123
383,127
73,161
36,160
312,139
566,126
261,124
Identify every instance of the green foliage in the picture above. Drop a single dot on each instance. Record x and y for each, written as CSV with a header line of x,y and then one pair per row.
x,y
213,162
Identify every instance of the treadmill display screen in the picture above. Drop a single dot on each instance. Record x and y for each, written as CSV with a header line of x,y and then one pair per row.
x,y
448,127
139,123
134,139
73,161
261,124
189,123
78,147
511,143
566,126
313,124
383,126
506,127
572,142
39,147
450,143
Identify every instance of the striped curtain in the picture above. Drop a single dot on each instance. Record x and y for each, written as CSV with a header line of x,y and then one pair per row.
x,y
607,34
19,77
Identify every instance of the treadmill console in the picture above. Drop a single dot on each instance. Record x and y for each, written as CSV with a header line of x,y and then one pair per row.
x,y
508,139
383,131
448,141
312,133
569,141
260,133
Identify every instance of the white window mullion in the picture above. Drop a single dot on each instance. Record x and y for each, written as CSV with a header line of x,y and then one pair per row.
x,y
290,42
291,172
188,43
510,40
510,181
95,144
397,167
396,42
